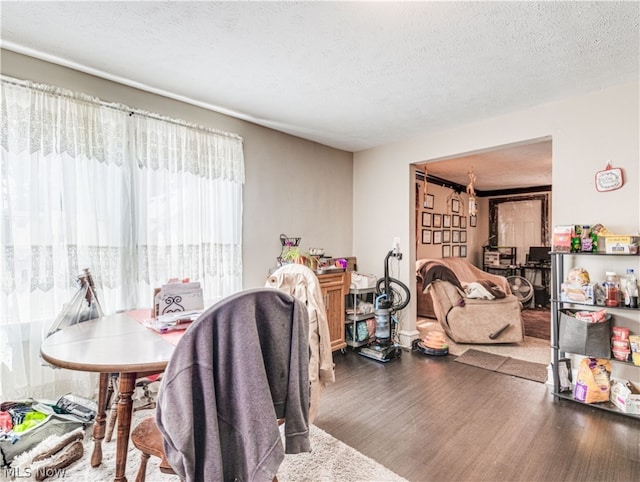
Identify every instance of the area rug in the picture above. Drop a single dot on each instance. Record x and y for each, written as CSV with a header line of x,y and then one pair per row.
x,y
329,460
506,365
332,460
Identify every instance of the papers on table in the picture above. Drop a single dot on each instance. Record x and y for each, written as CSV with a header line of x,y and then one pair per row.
x,y
179,317
173,321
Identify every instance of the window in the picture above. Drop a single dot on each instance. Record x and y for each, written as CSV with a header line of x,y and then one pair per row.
x,y
136,198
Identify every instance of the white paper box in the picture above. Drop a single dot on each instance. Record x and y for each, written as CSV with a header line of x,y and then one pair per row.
x,y
362,281
174,297
623,398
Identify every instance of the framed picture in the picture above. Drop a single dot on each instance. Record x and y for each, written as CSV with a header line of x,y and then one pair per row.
x,y
455,236
473,221
455,221
429,201
463,237
426,236
446,236
437,220
463,222
437,237
426,220
463,251
446,220
446,250
455,205
455,251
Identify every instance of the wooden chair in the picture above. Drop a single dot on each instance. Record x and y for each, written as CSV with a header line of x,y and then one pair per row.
x,y
148,440
235,320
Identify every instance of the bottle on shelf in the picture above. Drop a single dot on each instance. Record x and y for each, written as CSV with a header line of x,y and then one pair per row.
x,y
630,289
594,241
612,289
576,236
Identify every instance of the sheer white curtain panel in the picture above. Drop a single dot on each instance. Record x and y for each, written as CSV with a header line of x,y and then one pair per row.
x,y
189,207
62,173
137,199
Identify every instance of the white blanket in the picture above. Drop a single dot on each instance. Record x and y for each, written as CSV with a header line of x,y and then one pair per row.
x,y
476,290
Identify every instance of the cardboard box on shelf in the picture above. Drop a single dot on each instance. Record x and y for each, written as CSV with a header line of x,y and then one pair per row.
x,y
625,395
618,244
562,239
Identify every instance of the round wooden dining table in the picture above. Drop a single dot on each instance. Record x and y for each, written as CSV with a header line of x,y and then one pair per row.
x,y
115,344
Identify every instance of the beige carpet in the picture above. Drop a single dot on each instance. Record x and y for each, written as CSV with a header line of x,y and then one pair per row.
x,y
329,460
531,349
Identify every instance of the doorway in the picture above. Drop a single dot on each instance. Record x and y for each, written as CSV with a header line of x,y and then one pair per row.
x,y
518,173
522,170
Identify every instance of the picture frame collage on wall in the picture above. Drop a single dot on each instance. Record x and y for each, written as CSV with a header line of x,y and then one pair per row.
x,y
446,229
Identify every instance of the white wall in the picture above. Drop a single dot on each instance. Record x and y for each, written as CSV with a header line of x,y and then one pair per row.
x,y
586,132
293,186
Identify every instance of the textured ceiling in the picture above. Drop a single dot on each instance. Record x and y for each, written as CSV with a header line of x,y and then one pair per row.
x,y
351,75
520,166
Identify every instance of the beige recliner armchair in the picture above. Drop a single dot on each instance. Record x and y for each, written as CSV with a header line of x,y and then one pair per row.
x,y
441,296
472,320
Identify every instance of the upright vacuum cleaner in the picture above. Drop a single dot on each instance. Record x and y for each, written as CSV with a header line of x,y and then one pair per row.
x,y
391,296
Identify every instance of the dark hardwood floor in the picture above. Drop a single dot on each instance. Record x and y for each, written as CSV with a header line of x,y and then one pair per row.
x,y
432,419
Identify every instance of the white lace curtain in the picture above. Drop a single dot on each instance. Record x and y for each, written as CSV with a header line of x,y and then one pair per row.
x,y
136,198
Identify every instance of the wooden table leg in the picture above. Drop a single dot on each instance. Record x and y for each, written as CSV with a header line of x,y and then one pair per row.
x,y
100,421
125,406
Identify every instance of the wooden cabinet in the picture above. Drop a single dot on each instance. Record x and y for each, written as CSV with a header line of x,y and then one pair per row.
x,y
335,286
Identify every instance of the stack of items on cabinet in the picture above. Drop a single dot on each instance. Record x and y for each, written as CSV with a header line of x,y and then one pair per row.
x,y
593,239
612,292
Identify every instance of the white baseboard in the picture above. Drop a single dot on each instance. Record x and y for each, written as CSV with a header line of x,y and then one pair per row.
x,y
407,336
